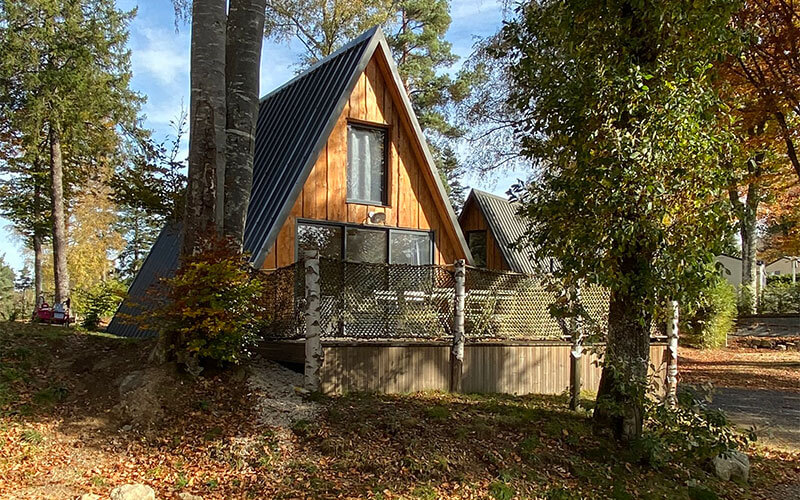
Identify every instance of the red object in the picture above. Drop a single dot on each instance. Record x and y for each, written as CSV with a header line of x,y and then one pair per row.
x,y
57,315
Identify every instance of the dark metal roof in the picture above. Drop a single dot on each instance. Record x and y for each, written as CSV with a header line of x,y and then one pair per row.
x,y
161,262
294,123
507,227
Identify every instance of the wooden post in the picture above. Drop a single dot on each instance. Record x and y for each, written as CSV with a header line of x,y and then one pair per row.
x,y
671,385
457,353
575,354
760,281
311,377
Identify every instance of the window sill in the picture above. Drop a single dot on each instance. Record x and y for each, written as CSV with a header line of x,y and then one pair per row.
x,y
370,203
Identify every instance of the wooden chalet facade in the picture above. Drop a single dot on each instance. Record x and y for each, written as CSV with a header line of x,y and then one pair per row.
x,y
340,165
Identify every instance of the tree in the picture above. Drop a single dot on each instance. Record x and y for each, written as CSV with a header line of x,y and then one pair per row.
x,y
226,56
64,84
149,191
23,285
760,85
626,131
416,32
768,70
6,288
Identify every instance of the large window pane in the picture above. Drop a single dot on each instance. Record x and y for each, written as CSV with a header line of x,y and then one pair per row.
x,y
366,169
411,248
327,239
476,241
366,245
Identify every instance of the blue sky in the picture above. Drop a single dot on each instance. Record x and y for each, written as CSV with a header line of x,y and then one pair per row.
x,y
160,60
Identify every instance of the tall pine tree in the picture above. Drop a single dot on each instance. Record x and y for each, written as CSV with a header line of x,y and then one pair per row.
x,y
64,90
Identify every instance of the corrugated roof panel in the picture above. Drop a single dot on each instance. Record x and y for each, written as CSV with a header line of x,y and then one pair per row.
x,y
161,262
507,228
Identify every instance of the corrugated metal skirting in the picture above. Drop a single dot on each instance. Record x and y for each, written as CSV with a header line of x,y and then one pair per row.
x,y
536,368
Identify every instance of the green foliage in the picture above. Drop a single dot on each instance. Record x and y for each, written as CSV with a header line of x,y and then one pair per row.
x,y
211,309
625,128
707,321
6,289
689,431
501,491
99,302
780,298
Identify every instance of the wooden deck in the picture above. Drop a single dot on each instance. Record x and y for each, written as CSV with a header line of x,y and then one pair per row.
x,y
532,367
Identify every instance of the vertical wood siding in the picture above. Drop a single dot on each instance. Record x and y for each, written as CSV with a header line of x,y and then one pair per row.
x,y
412,197
541,368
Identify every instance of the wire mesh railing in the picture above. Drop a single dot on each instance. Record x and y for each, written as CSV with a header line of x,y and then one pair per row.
x,y
396,302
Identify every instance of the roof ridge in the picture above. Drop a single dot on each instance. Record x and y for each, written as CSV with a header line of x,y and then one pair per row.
x,y
487,193
363,37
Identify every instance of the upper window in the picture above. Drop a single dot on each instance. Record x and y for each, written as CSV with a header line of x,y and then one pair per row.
x,y
476,241
366,164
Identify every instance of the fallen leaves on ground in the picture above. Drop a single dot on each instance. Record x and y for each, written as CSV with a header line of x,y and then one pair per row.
x,y
60,437
741,365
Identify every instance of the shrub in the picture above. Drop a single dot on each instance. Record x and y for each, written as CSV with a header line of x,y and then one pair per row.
x,y
707,322
780,297
100,302
689,430
211,311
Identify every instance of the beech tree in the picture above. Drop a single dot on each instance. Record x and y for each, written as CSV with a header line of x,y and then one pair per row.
x,y
225,63
621,121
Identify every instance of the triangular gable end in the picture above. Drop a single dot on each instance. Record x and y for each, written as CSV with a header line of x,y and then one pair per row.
x,y
264,231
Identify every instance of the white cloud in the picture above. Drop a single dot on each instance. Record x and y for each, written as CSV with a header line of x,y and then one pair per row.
x,y
161,54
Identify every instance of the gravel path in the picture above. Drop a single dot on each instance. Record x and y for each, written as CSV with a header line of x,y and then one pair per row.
x,y
775,414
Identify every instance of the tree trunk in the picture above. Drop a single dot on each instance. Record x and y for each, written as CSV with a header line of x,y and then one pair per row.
x,y
60,272
38,237
242,64
623,382
747,230
205,190
37,265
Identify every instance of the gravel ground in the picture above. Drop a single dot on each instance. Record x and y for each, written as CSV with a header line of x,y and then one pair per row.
x,y
280,402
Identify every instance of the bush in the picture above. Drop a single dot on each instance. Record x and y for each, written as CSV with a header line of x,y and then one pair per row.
x,y
780,297
100,302
707,322
688,431
212,307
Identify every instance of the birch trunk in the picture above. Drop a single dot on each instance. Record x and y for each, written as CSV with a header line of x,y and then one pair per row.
x,y
60,272
242,64
205,190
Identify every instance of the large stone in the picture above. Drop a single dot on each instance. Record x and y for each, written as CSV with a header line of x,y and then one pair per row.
x,y
732,465
133,492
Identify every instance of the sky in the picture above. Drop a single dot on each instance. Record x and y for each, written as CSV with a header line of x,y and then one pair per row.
x,y
160,63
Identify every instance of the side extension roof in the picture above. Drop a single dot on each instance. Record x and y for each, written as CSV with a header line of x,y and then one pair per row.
x,y
507,228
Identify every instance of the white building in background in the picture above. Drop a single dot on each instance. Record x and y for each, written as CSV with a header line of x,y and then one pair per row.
x,y
732,269
784,266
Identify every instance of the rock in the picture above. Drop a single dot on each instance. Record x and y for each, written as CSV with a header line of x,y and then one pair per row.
x,y
89,496
133,492
143,394
732,465
189,496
